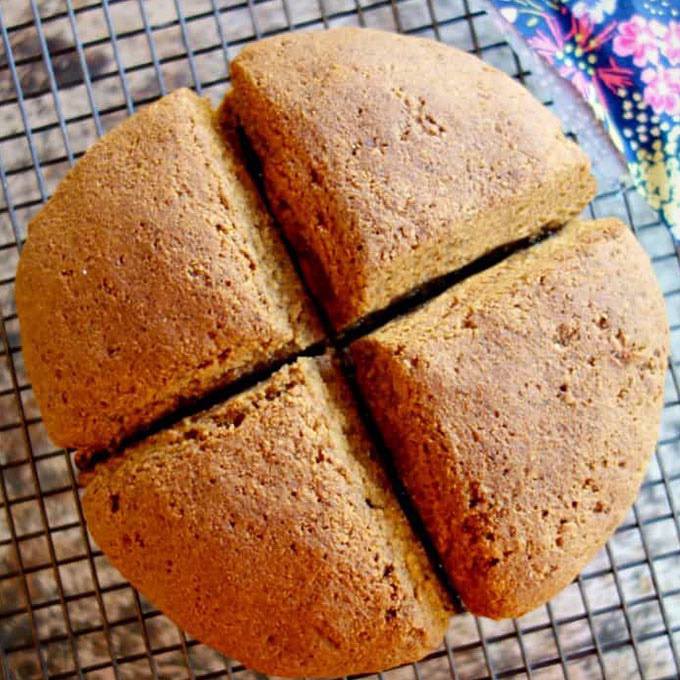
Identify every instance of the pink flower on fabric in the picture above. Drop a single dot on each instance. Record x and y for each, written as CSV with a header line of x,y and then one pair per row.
x,y
662,91
568,53
671,43
640,39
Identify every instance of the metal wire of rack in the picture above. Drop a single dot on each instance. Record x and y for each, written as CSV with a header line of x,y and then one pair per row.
x,y
69,71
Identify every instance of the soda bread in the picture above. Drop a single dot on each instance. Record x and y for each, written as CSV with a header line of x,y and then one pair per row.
x,y
522,407
391,160
152,275
266,528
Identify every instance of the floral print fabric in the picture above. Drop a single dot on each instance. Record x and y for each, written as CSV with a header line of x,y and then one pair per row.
x,y
623,56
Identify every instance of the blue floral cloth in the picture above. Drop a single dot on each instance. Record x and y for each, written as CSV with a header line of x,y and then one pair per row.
x,y
623,56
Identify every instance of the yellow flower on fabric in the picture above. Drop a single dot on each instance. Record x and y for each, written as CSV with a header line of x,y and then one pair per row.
x,y
657,179
657,174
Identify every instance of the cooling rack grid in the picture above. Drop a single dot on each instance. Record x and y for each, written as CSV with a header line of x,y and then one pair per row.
x,y
69,71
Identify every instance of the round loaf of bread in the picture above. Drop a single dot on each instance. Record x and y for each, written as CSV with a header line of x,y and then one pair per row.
x,y
390,160
152,274
522,407
267,529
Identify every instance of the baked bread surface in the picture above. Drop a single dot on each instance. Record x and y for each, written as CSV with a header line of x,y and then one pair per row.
x,y
267,529
152,274
522,407
390,160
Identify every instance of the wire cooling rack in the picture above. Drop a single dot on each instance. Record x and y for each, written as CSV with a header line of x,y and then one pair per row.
x,y
69,71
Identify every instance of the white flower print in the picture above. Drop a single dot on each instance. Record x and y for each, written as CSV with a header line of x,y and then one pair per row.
x,y
595,10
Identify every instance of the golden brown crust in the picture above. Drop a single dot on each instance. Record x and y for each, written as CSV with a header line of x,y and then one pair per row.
x,y
266,528
383,177
153,274
522,407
